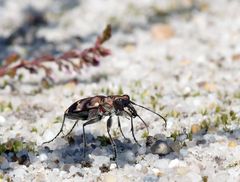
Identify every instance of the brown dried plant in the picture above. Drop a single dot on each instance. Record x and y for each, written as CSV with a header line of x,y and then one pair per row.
x,y
87,57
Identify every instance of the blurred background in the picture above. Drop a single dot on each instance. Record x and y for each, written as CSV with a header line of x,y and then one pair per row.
x,y
171,47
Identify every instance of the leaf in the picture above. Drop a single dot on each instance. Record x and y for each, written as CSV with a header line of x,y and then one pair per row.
x,y
106,35
104,52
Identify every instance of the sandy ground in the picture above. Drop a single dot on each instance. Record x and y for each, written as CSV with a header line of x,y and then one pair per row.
x,y
179,58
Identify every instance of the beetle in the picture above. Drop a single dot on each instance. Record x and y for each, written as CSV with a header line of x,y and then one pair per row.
x,y
93,109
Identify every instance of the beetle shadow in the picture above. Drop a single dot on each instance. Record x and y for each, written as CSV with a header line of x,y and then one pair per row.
x,y
98,152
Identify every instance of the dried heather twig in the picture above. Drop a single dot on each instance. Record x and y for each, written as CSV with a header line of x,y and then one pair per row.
x,y
89,56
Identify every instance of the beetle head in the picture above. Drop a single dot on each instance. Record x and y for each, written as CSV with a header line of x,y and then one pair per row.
x,y
123,102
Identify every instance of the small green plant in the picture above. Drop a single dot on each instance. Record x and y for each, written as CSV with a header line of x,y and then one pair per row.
x,y
204,111
115,133
145,134
138,83
217,121
205,178
58,119
34,130
5,106
174,114
144,94
189,136
237,95
205,124
224,118
120,91
175,134
232,115
154,102
234,164
104,140
218,109
195,94
16,145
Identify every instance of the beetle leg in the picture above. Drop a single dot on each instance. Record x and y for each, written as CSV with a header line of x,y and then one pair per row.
x,y
72,128
91,121
109,124
119,125
58,132
132,130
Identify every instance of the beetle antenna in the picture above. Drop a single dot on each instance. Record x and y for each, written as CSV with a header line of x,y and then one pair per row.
x,y
143,122
150,111
139,118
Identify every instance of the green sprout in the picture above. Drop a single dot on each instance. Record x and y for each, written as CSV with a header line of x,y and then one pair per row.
x,y
58,119
120,91
104,140
145,134
224,119
233,115
174,114
154,102
34,130
218,109
175,134
205,124
6,106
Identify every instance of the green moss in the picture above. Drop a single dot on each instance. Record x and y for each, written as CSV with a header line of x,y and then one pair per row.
x,y
17,146
154,102
120,91
204,111
205,178
145,134
30,146
20,77
205,124
218,109
104,140
36,91
11,145
58,119
237,95
34,130
232,114
217,121
175,134
226,129
189,136
81,93
144,94
138,83
108,91
115,133
195,94
2,148
174,114
46,84
231,165
224,119
6,106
